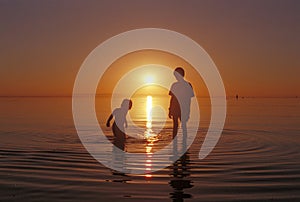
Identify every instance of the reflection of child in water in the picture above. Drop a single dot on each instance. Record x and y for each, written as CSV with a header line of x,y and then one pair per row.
x,y
118,127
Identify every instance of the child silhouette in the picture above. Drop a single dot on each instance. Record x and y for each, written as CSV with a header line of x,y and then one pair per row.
x,y
118,127
181,93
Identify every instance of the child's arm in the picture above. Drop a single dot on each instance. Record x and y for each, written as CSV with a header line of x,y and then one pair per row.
x,y
108,120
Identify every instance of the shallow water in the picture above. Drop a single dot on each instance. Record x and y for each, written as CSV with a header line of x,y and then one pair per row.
x,y
256,159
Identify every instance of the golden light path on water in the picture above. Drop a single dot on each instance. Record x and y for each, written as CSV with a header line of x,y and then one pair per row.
x,y
149,114
149,136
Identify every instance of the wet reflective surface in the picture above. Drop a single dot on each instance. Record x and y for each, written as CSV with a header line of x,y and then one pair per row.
x,y
256,159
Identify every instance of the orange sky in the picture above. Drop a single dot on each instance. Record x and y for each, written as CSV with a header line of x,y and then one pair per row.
x,y
133,60
255,44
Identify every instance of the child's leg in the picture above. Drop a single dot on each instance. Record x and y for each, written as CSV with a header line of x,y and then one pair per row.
x,y
184,135
175,126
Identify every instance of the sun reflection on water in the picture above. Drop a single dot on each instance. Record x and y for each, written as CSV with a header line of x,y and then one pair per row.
x,y
150,137
149,115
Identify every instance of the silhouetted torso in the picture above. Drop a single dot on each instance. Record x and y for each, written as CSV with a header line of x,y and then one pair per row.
x,y
181,93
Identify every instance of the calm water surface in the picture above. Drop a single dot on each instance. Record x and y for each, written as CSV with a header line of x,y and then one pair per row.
x,y
256,159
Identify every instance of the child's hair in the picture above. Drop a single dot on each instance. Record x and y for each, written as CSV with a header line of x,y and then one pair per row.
x,y
126,103
180,71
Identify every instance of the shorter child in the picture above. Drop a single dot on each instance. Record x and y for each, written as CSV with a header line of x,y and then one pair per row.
x,y
118,127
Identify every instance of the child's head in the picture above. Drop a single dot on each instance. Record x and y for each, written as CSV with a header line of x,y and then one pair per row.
x,y
126,104
179,73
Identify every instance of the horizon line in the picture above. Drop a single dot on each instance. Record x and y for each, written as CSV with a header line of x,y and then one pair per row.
x,y
106,94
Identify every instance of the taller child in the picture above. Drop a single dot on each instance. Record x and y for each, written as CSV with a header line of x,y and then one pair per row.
x,y
181,93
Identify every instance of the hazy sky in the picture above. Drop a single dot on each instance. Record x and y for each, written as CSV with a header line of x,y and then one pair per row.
x,y
255,44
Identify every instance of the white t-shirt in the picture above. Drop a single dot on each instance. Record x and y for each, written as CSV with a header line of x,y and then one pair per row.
x,y
120,117
183,92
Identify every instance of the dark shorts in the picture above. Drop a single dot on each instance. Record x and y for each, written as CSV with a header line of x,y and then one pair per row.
x,y
119,137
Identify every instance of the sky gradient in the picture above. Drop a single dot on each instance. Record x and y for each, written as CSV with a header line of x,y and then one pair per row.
x,y
255,44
